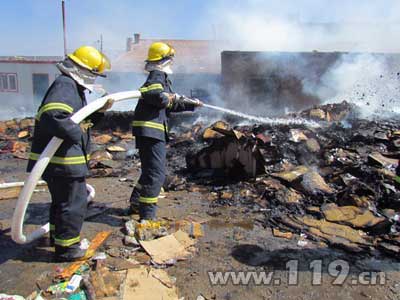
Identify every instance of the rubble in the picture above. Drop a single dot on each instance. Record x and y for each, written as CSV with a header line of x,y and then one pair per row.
x,y
165,249
332,183
102,139
144,283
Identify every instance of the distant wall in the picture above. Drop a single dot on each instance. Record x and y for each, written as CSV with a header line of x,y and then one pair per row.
x,y
273,82
21,103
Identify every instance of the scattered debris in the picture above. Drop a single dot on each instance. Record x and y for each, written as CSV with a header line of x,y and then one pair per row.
x,y
277,233
164,249
102,139
96,243
148,283
12,190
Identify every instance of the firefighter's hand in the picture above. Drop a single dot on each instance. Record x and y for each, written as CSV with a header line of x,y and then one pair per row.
x,y
171,98
106,106
85,126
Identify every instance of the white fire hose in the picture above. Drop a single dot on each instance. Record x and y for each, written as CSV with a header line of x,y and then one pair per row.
x,y
17,233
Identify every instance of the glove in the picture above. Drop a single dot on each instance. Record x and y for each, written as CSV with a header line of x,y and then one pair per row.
x,y
109,103
85,126
171,98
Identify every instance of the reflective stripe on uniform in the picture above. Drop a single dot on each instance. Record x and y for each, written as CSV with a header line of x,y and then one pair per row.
x,y
72,160
69,242
149,124
148,200
52,227
54,106
151,87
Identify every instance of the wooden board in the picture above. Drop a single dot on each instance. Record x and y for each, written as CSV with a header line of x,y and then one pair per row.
x,y
13,191
98,240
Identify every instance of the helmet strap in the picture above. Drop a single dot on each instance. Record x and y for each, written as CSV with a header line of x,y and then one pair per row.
x,y
163,66
81,75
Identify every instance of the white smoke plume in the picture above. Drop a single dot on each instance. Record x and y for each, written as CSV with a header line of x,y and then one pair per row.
x,y
365,27
371,82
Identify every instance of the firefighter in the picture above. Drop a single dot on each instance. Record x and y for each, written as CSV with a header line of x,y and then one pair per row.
x,y
150,127
66,172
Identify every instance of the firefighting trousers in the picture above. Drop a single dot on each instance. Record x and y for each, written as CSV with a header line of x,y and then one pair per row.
x,y
152,155
67,210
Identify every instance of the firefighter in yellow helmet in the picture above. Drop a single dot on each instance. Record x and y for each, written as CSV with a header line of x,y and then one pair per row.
x,y
150,127
66,172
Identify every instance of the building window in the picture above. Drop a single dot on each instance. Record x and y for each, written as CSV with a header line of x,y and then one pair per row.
x,y
8,82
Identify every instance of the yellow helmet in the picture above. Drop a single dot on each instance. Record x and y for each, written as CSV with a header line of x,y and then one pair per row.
x,y
159,51
90,58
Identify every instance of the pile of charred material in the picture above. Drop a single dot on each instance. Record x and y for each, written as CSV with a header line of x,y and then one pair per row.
x,y
334,184
112,143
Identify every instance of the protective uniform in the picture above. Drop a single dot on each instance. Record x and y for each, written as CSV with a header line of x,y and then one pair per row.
x,y
150,126
66,172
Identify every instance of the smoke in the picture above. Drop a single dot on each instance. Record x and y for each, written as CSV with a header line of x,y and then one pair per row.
x,y
365,27
369,81
307,25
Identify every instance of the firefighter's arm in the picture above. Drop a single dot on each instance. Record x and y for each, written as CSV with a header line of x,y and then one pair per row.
x,y
96,117
153,94
179,103
57,122
55,115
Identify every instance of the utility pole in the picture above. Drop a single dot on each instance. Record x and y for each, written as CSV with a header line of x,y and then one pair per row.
x,y
64,27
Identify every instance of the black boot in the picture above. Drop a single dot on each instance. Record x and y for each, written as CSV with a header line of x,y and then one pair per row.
x,y
69,254
134,202
147,211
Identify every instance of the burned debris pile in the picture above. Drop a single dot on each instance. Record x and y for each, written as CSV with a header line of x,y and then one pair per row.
x,y
335,184
112,143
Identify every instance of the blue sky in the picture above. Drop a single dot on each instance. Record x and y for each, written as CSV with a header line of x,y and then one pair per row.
x,y
33,27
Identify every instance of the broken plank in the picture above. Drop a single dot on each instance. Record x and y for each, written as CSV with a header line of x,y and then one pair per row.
x,y
98,240
11,190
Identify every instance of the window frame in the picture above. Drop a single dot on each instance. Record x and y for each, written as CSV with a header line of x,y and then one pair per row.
x,y
9,90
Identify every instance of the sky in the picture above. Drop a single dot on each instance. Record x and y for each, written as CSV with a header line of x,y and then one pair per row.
x,y
34,27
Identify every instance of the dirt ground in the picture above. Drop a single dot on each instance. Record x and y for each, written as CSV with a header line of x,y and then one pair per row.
x,y
234,240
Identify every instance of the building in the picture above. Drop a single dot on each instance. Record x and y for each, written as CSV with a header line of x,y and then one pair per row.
x,y
23,83
197,66
197,72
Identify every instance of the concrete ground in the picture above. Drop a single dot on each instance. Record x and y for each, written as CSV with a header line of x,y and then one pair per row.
x,y
234,240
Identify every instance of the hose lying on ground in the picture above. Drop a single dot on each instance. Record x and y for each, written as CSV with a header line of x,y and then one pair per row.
x,y
17,233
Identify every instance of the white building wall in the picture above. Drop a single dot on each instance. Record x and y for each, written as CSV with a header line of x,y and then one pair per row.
x,y
21,103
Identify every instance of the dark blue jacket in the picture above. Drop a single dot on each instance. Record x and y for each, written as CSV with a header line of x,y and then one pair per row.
x,y
63,98
152,110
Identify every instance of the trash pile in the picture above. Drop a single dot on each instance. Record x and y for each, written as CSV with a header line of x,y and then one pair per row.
x,y
132,269
335,184
112,148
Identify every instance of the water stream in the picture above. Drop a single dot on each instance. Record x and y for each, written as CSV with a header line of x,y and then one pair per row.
x,y
265,120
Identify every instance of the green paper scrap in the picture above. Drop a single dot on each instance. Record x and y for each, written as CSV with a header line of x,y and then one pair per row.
x,y
78,296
